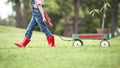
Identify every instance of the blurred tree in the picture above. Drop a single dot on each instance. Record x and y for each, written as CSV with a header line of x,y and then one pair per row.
x,y
25,15
66,10
114,16
8,22
68,16
76,16
22,20
70,12
17,6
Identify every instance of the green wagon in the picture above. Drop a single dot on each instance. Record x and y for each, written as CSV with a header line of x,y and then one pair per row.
x,y
103,37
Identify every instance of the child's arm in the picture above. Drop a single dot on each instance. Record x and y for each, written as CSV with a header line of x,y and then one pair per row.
x,y
42,12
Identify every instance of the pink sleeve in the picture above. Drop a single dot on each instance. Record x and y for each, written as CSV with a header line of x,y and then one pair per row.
x,y
37,2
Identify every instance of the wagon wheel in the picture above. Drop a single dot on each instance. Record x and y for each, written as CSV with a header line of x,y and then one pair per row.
x,y
78,43
104,43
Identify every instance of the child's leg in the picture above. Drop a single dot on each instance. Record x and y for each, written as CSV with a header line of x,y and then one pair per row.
x,y
30,27
48,34
28,34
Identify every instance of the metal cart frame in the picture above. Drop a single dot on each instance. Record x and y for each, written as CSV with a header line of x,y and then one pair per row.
x,y
103,37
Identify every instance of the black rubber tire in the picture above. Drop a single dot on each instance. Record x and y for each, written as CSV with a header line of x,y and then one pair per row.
x,y
77,43
104,43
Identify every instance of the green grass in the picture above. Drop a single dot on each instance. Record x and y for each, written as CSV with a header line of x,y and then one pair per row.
x,y
64,55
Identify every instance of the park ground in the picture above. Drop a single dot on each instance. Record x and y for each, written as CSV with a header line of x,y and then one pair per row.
x,y
38,55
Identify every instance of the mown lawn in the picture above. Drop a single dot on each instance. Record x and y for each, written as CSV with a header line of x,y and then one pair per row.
x,y
64,55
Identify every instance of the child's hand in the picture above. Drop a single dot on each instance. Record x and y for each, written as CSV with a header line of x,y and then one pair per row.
x,y
44,19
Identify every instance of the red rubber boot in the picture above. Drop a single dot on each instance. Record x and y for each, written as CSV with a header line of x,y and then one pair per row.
x,y
51,41
23,43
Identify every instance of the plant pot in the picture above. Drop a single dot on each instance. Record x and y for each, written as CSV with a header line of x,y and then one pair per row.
x,y
103,31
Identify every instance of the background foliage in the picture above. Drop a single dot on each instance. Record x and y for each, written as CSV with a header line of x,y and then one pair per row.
x,y
62,13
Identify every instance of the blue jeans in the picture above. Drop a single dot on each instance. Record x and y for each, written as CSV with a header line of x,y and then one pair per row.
x,y
37,20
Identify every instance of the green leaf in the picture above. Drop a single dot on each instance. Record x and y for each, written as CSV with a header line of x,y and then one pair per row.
x,y
97,11
92,12
106,5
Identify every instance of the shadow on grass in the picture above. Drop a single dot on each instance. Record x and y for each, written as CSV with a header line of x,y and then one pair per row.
x,y
18,47
8,48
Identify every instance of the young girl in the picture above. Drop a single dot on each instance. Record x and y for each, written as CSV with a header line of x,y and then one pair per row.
x,y
38,18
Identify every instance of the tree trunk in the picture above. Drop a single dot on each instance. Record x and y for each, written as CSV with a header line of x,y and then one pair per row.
x,y
76,18
68,27
18,14
114,16
25,16
73,26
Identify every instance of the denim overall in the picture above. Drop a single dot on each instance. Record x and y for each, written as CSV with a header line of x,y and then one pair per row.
x,y
36,20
